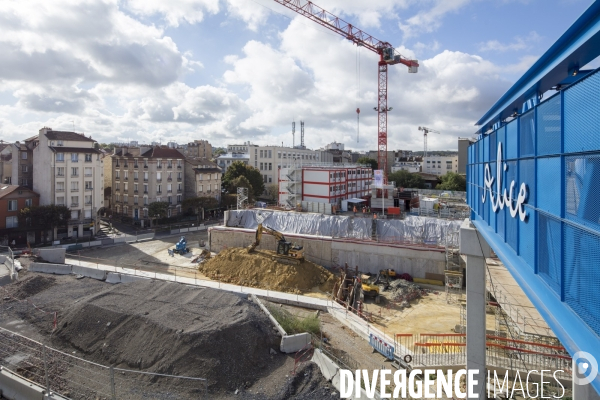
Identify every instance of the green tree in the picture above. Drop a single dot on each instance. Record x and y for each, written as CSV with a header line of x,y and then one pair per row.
x,y
241,181
452,181
198,203
254,177
229,200
217,152
368,161
273,191
405,179
158,209
45,217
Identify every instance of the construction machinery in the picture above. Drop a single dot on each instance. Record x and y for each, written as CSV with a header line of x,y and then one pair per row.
x,y
387,56
181,247
425,132
389,272
369,286
287,252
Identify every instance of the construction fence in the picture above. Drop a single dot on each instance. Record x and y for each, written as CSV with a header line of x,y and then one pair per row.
x,y
411,230
75,378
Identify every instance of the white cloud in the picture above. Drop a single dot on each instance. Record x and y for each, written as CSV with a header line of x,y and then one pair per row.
x,y
174,11
429,20
520,43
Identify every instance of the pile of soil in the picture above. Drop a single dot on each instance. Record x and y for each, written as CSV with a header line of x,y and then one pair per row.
x,y
260,269
172,329
403,292
29,286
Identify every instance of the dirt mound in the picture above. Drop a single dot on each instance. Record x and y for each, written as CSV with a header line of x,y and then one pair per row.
x,y
172,329
259,269
30,286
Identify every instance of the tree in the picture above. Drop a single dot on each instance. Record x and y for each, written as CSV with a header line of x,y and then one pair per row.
x,y
219,151
107,146
273,191
158,208
241,181
45,217
405,179
197,203
239,168
452,181
368,161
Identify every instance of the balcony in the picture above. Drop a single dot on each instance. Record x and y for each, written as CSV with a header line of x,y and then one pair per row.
x,y
145,192
135,192
159,167
125,165
135,179
178,179
75,176
158,192
88,203
169,191
170,166
75,190
117,189
117,165
169,179
135,166
146,166
135,203
117,178
179,167
87,189
158,180
145,179
60,190
61,175
178,190
74,205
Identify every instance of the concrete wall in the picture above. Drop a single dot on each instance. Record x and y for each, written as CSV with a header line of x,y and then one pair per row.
x,y
56,256
370,257
57,269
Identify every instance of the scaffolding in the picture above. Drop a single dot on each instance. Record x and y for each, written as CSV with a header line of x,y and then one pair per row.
x,y
453,272
242,198
294,185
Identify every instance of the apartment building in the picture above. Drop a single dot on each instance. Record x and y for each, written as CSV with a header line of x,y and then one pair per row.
x,y
16,163
268,159
197,149
143,175
410,164
202,178
13,198
224,161
68,170
240,148
323,184
440,165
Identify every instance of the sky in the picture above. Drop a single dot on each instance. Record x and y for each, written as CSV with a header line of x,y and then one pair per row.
x,y
231,71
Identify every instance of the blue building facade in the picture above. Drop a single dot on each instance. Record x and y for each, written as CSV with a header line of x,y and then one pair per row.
x,y
533,183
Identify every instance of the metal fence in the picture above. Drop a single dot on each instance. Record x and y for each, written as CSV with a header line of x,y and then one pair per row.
x,y
76,378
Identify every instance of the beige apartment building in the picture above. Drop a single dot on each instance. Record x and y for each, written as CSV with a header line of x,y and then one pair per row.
x,y
16,163
143,175
202,178
269,159
68,170
197,149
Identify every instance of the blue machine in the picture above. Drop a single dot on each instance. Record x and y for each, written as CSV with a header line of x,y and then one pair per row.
x,y
181,246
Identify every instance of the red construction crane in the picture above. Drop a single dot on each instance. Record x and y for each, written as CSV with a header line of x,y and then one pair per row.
x,y
387,56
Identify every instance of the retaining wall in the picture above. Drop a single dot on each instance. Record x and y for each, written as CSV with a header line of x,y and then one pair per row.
x,y
97,274
57,269
330,252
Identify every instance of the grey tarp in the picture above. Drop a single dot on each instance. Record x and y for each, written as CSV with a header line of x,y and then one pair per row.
x,y
413,229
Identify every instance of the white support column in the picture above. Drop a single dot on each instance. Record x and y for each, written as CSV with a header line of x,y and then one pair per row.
x,y
476,249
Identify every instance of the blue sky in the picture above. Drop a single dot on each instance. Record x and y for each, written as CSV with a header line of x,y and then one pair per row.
x,y
237,70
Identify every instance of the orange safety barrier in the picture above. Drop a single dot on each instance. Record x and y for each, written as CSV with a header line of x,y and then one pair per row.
x,y
517,349
502,339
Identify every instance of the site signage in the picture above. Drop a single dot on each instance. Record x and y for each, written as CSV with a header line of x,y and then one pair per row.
x,y
378,178
504,198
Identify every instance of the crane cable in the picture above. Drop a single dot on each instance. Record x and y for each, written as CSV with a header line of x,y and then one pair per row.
x,y
357,92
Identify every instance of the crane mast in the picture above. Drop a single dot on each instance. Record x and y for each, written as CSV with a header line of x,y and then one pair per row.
x,y
425,132
387,56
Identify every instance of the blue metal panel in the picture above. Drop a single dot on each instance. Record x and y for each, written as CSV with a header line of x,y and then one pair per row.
x,y
549,126
582,119
550,251
527,228
512,140
575,48
510,175
493,146
486,149
527,125
548,180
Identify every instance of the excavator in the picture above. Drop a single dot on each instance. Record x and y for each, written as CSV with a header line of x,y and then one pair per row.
x,y
287,252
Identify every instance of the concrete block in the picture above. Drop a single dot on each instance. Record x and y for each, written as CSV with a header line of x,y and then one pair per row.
x,y
89,272
53,255
5,277
184,230
14,387
131,278
85,244
193,229
120,239
3,258
57,269
113,277
95,243
174,231
294,343
328,368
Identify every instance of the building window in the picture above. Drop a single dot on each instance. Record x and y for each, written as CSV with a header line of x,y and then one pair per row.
x,y
145,188
135,187
135,175
74,201
158,188
74,171
88,214
88,200
74,157
88,185
159,176
145,177
60,157
59,143
158,163
60,186
270,166
169,164
23,168
60,201
28,202
88,171
117,174
146,210
23,155
125,174
24,182
88,158
135,199
146,203
12,205
261,166
74,186
125,198
200,188
12,222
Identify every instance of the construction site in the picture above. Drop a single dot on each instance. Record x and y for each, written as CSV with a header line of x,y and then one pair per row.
x,y
286,295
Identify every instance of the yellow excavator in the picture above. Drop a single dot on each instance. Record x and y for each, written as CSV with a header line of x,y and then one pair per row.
x,y
287,252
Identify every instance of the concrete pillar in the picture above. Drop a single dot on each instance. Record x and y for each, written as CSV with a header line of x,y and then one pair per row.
x,y
476,249
80,231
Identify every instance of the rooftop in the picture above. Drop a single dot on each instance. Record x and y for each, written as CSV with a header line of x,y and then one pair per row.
x,y
5,190
74,136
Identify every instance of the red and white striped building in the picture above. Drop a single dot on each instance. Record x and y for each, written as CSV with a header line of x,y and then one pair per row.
x,y
323,183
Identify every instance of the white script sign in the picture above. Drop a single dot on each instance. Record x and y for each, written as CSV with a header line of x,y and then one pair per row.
x,y
503,198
